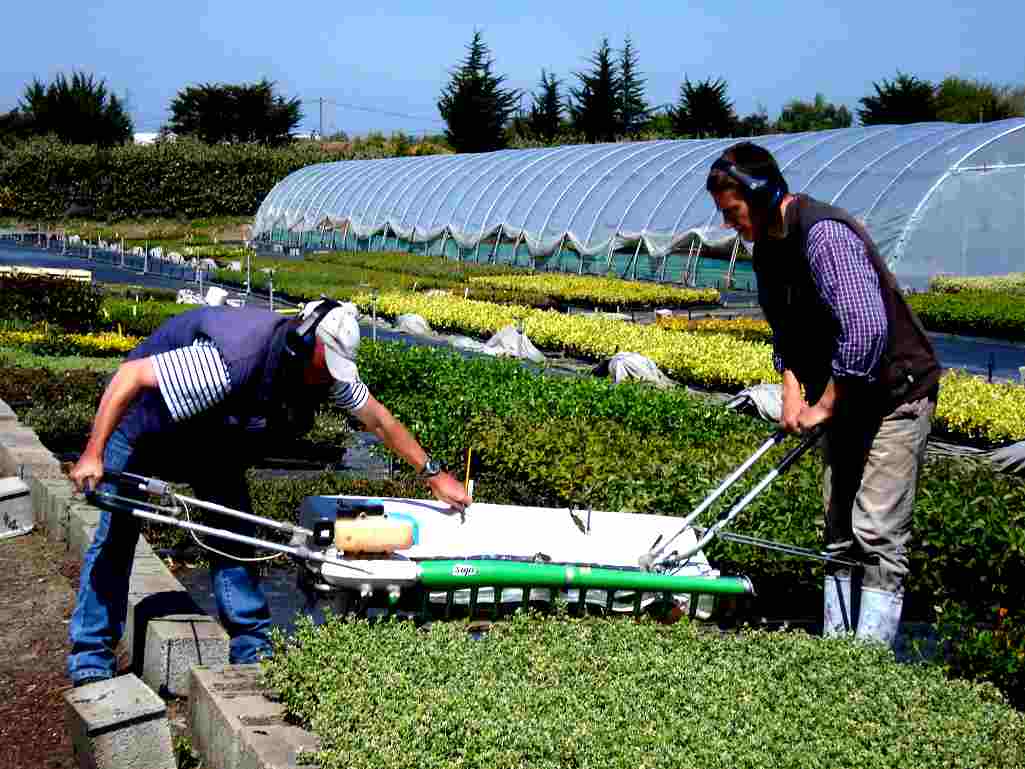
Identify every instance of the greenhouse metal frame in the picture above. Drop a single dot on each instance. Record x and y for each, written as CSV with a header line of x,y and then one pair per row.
x,y
936,197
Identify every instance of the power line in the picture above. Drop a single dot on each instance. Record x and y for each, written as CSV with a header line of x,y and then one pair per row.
x,y
375,110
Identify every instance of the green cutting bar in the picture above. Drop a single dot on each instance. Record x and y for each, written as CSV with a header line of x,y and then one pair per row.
x,y
447,575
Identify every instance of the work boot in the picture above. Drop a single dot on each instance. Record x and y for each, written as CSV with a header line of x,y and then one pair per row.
x,y
879,617
837,616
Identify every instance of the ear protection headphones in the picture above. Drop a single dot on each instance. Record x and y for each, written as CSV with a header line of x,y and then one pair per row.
x,y
301,340
765,192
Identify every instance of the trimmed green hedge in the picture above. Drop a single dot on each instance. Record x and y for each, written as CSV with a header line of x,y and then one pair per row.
x,y
560,441
1000,315
44,179
137,318
70,304
560,692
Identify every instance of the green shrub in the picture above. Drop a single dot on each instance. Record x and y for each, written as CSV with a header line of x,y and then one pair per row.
x,y
984,643
951,284
560,692
70,304
28,387
137,318
63,429
973,313
43,179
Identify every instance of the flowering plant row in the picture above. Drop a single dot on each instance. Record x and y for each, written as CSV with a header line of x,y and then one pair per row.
x,y
107,344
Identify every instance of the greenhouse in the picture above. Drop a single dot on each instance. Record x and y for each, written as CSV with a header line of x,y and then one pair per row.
x,y
937,198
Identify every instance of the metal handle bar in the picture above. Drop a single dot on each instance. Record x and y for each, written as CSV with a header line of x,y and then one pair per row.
x,y
648,560
158,488
145,510
791,456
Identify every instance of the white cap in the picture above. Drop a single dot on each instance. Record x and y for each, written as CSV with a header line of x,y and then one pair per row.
x,y
339,331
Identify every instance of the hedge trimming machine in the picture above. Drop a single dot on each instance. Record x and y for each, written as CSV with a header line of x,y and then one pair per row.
x,y
356,551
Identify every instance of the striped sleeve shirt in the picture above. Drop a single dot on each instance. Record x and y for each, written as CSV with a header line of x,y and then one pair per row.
x,y
191,379
849,284
194,379
351,396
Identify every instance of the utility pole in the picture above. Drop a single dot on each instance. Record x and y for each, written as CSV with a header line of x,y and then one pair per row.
x,y
321,100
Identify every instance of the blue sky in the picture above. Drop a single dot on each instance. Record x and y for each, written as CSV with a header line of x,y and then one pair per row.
x,y
367,63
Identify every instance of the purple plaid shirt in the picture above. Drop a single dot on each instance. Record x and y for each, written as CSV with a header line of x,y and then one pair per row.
x,y
849,285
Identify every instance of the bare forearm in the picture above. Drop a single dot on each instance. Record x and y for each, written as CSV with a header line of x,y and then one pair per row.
x,y
399,440
122,390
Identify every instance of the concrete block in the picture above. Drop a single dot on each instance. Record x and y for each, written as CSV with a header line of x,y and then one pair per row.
x,y
223,702
19,437
7,415
151,598
59,499
29,463
174,644
119,724
150,565
79,536
16,516
38,491
56,502
275,747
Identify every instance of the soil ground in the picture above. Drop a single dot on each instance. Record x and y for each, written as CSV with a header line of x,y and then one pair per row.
x,y
39,593
40,581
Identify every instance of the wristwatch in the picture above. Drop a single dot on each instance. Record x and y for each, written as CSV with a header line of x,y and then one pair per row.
x,y
431,468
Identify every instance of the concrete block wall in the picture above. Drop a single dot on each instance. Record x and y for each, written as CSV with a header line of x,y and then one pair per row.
x,y
176,649
163,621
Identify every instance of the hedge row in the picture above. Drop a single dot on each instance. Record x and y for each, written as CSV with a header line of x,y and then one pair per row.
x,y
606,293
45,179
106,345
562,692
969,407
1011,283
749,329
711,361
1000,315
555,441
71,304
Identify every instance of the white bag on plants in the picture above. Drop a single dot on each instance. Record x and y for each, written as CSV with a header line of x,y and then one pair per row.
x,y
411,323
510,342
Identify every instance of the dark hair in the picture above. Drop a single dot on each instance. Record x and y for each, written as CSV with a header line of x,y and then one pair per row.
x,y
753,161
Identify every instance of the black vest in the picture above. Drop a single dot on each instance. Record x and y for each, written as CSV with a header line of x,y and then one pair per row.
x,y
805,328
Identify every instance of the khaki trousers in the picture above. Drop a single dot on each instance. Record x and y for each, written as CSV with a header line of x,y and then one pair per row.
x,y
871,477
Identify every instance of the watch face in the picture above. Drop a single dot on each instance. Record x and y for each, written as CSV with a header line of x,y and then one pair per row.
x,y
432,467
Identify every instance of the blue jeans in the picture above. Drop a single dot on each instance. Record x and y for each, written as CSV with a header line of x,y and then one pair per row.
x,y
98,621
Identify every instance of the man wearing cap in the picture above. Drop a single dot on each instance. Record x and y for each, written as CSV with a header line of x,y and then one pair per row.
x,y
198,402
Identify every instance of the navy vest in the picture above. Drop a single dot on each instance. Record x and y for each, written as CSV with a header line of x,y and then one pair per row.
x,y
250,340
805,328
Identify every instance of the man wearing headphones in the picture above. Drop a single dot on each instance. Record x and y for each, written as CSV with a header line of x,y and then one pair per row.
x,y
853,358
195,402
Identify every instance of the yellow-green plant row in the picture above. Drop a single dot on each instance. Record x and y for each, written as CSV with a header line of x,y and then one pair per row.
x,y
972,407
716,360
951,284
752,329
604,291
968,406
107,343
